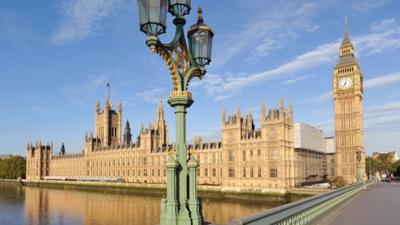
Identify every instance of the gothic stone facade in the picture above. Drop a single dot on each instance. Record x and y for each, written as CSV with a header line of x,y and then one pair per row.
x,y
247,158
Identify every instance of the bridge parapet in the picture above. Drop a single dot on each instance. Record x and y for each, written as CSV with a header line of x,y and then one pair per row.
x,y
304,211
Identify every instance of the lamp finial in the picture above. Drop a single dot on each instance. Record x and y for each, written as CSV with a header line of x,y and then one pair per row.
x,y
200,17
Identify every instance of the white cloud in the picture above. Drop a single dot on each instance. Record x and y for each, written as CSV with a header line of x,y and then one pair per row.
x,y
269,30
83,18
381,81
389,107
297,79
152,95
218,86
228,85
367,5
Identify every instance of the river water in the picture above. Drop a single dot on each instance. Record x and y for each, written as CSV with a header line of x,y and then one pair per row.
x,y
42,206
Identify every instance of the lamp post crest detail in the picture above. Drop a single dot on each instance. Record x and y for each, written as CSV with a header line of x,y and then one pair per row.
x,y
184,61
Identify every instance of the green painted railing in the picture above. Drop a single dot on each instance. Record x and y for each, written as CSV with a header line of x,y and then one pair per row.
x,y
304,211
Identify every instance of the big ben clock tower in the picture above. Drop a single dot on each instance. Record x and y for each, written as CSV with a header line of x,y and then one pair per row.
x,y
348,99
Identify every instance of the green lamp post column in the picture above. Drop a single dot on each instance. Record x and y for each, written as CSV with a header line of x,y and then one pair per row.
x,y
359,167
184,63
194,203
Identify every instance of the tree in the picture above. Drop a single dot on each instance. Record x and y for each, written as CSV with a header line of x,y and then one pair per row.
x,y
383,163
13,168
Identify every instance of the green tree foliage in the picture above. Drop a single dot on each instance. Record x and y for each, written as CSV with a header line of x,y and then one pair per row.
x,y
13,168
383,163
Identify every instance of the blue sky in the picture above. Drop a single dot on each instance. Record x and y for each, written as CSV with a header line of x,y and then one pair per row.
x,y
58,55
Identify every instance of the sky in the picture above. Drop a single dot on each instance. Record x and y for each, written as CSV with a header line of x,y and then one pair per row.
x,y
56,57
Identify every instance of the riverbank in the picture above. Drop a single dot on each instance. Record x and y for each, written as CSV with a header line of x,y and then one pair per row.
x,y
205,192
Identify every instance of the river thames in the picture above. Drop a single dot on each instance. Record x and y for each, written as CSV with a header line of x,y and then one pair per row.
x,y
43,206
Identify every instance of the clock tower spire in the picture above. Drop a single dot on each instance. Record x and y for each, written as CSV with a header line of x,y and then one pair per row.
x,y
348,103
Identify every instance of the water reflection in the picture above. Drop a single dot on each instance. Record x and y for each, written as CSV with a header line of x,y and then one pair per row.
x,y
61,207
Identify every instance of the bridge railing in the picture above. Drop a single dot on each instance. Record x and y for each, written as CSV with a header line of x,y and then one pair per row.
x,y
304,211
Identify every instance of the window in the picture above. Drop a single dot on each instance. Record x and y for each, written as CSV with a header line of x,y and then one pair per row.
x,y
273,154
244,172
206,172
273,172
259,152
231,172
214,172
259,172
231,156
244,155
251,172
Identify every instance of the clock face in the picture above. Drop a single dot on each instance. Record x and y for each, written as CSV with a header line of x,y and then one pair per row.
x,y
345,83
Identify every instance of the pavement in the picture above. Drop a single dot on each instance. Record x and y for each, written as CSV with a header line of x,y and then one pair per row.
x,y
378,205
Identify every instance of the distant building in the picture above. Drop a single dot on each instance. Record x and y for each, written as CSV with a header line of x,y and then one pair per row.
x,y
276,156
330,150
313,157
392,154
5,156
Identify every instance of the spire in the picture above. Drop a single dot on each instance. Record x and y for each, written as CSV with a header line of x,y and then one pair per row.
x,y
97,106
290,110
281,104
160,113
290,107
127,134
346,37
120,106
62,151
346,55
108,104
263,110
223,116
238,113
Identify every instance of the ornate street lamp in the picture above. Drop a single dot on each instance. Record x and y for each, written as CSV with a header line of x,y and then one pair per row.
x,y
359,157
181,206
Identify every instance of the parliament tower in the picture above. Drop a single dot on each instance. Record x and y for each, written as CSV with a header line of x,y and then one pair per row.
x,y
348,103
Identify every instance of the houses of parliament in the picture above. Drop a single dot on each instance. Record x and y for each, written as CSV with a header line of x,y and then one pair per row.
x,y
277,155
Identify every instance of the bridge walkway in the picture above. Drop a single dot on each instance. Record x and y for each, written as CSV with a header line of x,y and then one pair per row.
x,y
378,205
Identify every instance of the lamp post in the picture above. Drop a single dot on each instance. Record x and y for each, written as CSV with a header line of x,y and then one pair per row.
x,y
181,206
359,157
369,169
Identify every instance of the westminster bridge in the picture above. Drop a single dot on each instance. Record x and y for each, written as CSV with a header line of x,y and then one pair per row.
x,y
360,204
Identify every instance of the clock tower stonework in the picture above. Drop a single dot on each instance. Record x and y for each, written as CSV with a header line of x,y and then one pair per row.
x,y
348,103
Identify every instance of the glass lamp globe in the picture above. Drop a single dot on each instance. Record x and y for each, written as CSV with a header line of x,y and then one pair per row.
x,y
200,41
153,16
179,8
